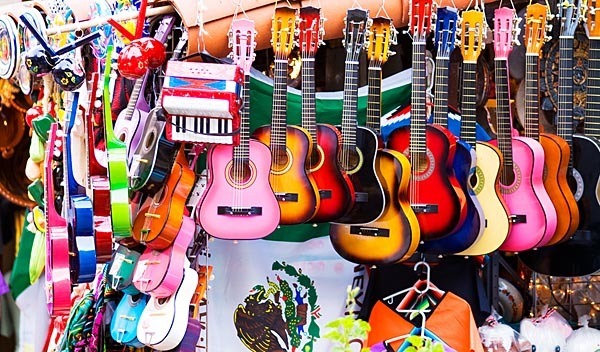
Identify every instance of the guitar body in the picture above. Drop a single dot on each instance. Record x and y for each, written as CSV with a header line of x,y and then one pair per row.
x,y
131,131
81,227
120,274
293,186
335,187
164,320
192,335
369,200
394,236
579,254
557,154
102,223
244,188
125,319
159,273
58,282
532,222
119,192
487,189
433,184
465,159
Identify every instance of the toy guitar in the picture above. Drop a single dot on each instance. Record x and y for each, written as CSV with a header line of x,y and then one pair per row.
x,y
335,187
531,212
465,157
125,319
394,235
122,267
58,283
78,210
294,187
485,179
439,204
359,144
239,193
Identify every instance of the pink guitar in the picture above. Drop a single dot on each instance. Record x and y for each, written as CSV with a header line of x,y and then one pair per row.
x,y
532,213
239,202
58,276
159,273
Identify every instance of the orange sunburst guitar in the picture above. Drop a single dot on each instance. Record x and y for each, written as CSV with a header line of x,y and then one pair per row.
x,y
556,150
290,146
395,234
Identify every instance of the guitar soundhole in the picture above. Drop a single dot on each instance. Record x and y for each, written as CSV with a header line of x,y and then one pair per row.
x,y
353,160
240,172
122,137
316,159
510,179
281,160
149,141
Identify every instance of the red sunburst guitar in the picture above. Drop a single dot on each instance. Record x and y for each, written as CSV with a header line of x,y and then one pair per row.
x,y
335,188
290,146
435,194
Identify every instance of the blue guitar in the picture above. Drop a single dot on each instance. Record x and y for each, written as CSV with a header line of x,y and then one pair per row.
x,y
125,319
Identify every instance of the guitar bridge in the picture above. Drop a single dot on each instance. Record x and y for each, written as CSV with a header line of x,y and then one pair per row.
x,y
239,211
361,197
369,231
518,218
286,197
325,193
425,208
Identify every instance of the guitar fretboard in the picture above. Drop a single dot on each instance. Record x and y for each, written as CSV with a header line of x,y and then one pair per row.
x,y
469,104
309,115
374,97
278,124
532,89
564,115
350,109
503,116
241,152
440,101
592,108
418,147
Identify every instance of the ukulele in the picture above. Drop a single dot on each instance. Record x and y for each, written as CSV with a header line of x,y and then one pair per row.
x,y
80,218
58,283
293,185
117,165
393,236
125,319
577,255
532,214
239,193
465,157
485,178
439,205
335,187
359,144
122,266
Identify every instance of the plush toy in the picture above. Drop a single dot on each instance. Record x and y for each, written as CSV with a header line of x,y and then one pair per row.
x,y
584,339
548,333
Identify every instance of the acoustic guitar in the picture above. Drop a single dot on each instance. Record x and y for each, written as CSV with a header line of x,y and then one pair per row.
x,y
532,213
290,146
465,157
578,254
395,235
439,205
335,188
485,178
359,144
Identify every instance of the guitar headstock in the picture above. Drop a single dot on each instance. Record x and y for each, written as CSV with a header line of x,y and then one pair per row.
x,y
420,19
473,29
381,36
445,30
357,27
593,22
505,32
282,32
535,27
242,43
569,12
310,30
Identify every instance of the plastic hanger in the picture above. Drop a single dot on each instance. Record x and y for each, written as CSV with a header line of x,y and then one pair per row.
x,y
429,287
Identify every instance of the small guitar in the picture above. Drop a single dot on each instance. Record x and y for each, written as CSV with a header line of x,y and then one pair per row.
x,y
79,213
157,225
239,193
532,214
159,273
122,266
395,235
465,157
117,165
290,146
438,203
335,187
125,319
163,322
58,283
359,144
484,181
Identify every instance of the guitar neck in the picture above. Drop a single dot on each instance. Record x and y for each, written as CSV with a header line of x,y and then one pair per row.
x,y
418,146
374,97
440,102
111,139
309,115
135,95
278,122
504,118
532,88
71,185
242,150
592,121
350,107
564,115
469,104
